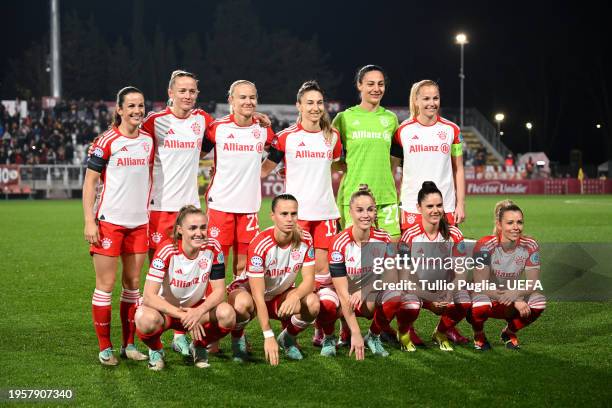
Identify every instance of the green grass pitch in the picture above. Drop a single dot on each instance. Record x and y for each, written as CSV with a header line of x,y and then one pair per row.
x,y
47,338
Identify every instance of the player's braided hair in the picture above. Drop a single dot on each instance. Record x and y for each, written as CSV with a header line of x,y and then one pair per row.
x,y
364,191
233,86
501,208
325,121
120,100
183,212
296,233
414,92
429,187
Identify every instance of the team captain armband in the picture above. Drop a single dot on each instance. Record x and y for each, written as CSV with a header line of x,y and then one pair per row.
x,y
96,161
457,149
217,272
337,270
275,155
207,145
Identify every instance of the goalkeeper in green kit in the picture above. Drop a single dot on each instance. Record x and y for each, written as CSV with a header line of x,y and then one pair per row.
x,y
367,131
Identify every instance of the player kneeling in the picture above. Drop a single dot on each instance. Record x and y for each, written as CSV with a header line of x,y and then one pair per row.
x,y
506,255
266,288
176,295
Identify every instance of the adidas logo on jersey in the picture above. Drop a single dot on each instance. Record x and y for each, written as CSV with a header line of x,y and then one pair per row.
x,y
351,259
302,144
170,132
415,137
231,136
356,123
124,149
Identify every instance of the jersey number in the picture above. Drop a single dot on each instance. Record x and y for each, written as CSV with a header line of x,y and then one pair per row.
x,y
390,213
252,225
331,228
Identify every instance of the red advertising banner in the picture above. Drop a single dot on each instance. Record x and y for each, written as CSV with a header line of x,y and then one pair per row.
x,y
9,175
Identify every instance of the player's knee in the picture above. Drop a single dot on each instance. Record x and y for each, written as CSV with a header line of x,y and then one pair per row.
x,y
147,320
243,304
313,305
226,315
537,302
481,307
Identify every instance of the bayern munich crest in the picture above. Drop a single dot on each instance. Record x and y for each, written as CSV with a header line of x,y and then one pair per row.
x,y
384,122
411,219
256,133
157,263
296,255
196,128
214,232
98,152
106,243
156,237
445,148
203,263
442,135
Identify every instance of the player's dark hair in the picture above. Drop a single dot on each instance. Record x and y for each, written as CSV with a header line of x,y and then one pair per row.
x,y
364,191
325,121
120,100
429,187
296,234
368,68
183,212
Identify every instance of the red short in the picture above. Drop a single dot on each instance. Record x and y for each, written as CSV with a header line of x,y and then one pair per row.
x,y
274,304
116,240
174,323
322,231
161,224
232,228
411,219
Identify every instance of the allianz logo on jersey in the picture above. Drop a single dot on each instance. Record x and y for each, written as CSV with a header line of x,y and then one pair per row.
x,y
243,147
128,161
443,148
305,153
366,134
180,144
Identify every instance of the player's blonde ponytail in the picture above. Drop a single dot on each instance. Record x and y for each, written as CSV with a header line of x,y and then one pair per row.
x,y
414,92
500,208
325,121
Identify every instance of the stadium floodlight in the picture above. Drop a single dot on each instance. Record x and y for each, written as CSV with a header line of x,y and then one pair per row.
x,y
529,126
461,39
598,126
499,117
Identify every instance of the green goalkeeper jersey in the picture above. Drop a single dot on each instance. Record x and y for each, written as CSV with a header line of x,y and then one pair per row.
x,y
366,138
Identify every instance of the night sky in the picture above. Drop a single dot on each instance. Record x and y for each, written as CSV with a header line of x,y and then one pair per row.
x,y
534,61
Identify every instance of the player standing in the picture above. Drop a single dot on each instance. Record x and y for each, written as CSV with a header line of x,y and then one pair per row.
x,y
308,150
176,291
506,256
116,221
434,241
431,148
267,287
234,193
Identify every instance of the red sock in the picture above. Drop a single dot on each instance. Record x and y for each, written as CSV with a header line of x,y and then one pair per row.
x,y
152,340
452,315
127,309
406,316
383,314
214,332
518,323
326,319
101,313
179,332
295,326
479,313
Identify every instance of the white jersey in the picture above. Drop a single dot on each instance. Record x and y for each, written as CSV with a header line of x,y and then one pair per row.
x,y
184,280
427,154
507,265
430,257
124,165
178,143
345,257
236,184
308,158
277,265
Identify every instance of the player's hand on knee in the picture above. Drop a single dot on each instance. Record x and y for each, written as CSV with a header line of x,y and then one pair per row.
x,y
271,350
290,306
523,308
197,332
191,317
